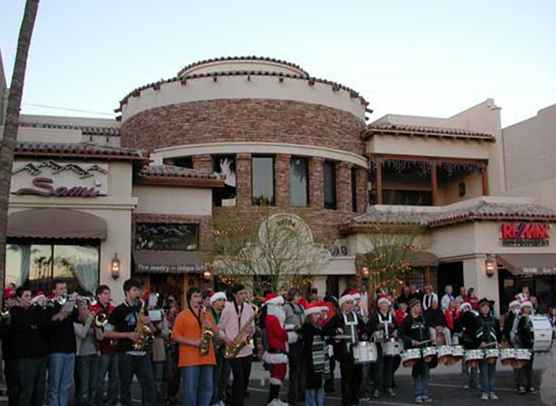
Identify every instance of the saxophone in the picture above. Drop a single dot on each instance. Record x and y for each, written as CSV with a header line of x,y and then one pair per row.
x,y
143,331
206,334
241,339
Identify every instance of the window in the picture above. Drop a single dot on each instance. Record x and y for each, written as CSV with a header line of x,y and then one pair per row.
x,y
262,181
166,237
182,162
329,185
408,197
38,264
225,166
353,189
299,182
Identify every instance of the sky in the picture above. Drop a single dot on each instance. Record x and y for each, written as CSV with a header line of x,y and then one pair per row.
x,y
431,58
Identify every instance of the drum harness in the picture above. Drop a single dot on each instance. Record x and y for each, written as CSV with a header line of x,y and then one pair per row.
x,y
352,329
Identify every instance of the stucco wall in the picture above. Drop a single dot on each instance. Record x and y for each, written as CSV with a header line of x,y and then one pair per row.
x,y
173,200
246,65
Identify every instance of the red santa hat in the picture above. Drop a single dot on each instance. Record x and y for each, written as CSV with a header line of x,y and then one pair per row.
x,y
273,299
355,294
527,303
384,300
217,296
344,299
312,308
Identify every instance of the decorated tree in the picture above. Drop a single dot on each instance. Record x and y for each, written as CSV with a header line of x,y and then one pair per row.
x,y
271,254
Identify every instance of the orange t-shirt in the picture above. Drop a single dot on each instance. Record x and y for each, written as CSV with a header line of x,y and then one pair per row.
x,y
187,326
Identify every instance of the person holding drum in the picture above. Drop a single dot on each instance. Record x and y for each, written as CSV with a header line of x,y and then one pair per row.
x,y
349,330
383,324
488,336
415,333
465,328
526,338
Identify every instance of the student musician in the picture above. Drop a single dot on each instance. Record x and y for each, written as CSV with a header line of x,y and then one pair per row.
x,y
348,323
487,336
415,334
526,338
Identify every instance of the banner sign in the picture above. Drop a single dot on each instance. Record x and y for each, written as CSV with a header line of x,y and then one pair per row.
x,y
525,234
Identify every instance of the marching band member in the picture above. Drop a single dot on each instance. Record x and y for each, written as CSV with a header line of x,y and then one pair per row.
x,y
30,349
347,322
235,317
277,345
384,326
197,369
487,336
465,328
414,333
108,362
437,323
315,355
526,338
132,360
86,359
221,369
295,318
331,304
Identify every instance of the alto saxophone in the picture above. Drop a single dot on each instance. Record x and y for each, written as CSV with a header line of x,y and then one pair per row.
x,y
241,339
143,331
206,334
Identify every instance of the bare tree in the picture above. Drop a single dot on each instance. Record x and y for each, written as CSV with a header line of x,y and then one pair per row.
x,y
11,125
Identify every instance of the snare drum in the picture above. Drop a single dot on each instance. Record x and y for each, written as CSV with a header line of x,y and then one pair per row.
x,y
410,357
491,355
542,331
522,354
445,354
507,356
457,352
391,348
429,353
364,352
473,357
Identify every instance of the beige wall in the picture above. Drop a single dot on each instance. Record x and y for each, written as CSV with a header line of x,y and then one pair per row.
x,y
448,192
173,200
238,87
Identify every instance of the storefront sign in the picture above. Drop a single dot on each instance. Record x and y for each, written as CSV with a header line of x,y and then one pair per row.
x,y
525,234
45,187
150,268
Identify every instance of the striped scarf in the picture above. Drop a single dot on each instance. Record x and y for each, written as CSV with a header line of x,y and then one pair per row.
x,y
320,355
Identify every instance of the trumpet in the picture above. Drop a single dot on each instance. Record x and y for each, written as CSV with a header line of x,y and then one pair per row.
x,y
101,319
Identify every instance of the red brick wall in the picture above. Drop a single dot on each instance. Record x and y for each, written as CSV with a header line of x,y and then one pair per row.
x,y
361,181
243,120
343,186
202,163
243,180
316,183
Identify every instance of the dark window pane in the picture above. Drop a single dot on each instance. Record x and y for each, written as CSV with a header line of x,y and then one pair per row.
x,y
262,181
329,185
353,189
225,166
299,182
408,197
182,162
163,236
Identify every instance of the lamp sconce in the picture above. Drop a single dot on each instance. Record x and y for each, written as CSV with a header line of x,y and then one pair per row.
x,y
491,266
207,273
115,267
364,272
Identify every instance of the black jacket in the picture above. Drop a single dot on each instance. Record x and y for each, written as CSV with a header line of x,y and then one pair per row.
x,y
313,380
435,317
467,325
488,330
331,328
376,323
525,332
60,334
414,329
28,332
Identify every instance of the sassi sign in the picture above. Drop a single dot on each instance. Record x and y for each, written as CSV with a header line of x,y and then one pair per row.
x,y
525,234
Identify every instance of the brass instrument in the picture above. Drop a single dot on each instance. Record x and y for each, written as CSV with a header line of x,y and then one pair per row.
x,y
101,319
5,318
143,331
207,334
242,337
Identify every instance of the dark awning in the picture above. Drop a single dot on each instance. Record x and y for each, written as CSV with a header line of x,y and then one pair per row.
x,y
529,264
166,261
56,223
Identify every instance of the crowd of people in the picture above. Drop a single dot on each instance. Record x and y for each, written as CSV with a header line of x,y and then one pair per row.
x,y
82,346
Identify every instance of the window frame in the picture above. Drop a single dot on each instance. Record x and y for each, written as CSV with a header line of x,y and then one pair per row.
x,y
273,166
334,205
307,182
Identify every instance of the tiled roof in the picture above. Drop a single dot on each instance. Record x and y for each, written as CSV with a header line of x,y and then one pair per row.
x,y
423,131
175,171
169,175
440,216
77,150
85,130
241,58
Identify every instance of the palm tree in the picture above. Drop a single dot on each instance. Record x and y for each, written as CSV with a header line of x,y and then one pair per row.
x,y
11,125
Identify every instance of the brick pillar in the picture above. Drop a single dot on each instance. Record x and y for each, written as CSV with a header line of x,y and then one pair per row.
x,y
343,186
202,163
362,184
316,183
282,180
243,180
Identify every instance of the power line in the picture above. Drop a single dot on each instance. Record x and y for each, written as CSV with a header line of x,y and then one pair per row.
x,y
45,106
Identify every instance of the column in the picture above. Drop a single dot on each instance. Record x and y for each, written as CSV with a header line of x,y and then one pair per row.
x,y
203,163
316,183
343,186
282,180
378,181
362,192
484,178
434,182
474,276
243,180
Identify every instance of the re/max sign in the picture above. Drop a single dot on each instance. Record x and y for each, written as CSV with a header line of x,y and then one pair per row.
x,y
45,187
525,234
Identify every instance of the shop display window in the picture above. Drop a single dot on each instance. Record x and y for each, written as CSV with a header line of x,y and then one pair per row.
x,y
167,237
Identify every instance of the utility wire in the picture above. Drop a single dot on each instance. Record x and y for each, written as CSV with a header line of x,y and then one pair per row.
x,y
44,106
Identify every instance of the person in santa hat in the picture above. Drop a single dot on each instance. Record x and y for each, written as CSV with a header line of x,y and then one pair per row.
x,y
348,323
276,353
526,339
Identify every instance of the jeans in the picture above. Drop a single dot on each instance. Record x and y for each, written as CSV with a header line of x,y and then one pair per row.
x,y
487,376
10,372
384,375
86,368
314,397
140,366
351,382
31,380
159,382
108,363
60,378
525,375
221,373
296,381
470,375
241,369
196,384
421,375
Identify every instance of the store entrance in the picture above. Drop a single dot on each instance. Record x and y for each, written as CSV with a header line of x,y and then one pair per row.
x,y
450,273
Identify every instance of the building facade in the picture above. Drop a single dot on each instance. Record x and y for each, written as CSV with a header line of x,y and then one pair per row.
x,y
230,136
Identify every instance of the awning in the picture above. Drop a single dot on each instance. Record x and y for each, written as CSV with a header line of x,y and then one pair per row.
x,y
528,264
56,223
166,261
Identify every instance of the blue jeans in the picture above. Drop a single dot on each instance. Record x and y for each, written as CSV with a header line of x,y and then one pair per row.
x,y
196,384
86,370
140,366
108,362
487,376
422,377
60,378
314,397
